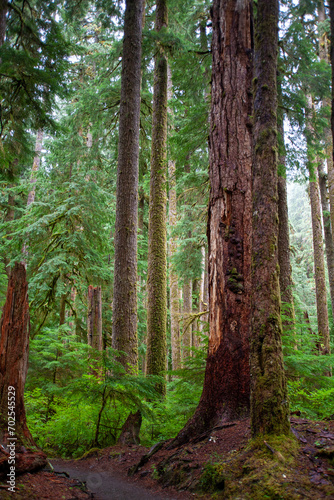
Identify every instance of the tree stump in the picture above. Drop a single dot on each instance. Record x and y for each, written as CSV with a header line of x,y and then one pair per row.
x,y
17,445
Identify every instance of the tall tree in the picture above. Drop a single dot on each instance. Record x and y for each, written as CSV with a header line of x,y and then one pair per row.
x,y
327,210
269,399
124,330
318,242
226,391
285,276
172,220
157,251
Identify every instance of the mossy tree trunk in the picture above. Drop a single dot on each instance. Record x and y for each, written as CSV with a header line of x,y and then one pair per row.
x,y
226,391
14,349
124,329
172,216
285,275
157,244
326,193
269,397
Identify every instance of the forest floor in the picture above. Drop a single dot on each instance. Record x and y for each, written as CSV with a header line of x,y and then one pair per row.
x,y
224,464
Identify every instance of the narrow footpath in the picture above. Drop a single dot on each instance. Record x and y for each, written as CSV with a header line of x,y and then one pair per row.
x,y
106,485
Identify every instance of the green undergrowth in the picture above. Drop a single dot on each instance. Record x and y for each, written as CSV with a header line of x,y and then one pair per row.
x,y
70,410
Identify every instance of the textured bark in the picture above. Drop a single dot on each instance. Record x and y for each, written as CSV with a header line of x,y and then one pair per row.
x,y
269,397
186,317
330,163
14,349
285,276
124,329
157,253
327,211
172,219
226,385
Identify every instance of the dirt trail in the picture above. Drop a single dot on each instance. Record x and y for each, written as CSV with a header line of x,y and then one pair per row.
x,y
106,485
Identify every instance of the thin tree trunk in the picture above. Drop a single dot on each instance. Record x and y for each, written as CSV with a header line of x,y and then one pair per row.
x,y
202,303
285,276
186,316
195,324
94,328
319,261
226,391
157,252
14,348
269,397
94,318
173,279
329,244
124,329
35,166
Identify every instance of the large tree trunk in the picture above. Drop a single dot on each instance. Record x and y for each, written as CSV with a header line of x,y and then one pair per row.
x,y
226,385
327,211
14,349
124,329
173,279
269,397
285,276
157,253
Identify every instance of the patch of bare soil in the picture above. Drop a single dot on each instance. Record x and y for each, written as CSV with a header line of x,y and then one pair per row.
x,y
224,463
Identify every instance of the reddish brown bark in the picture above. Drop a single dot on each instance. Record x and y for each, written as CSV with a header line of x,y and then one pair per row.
x,y
226,386
14,348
